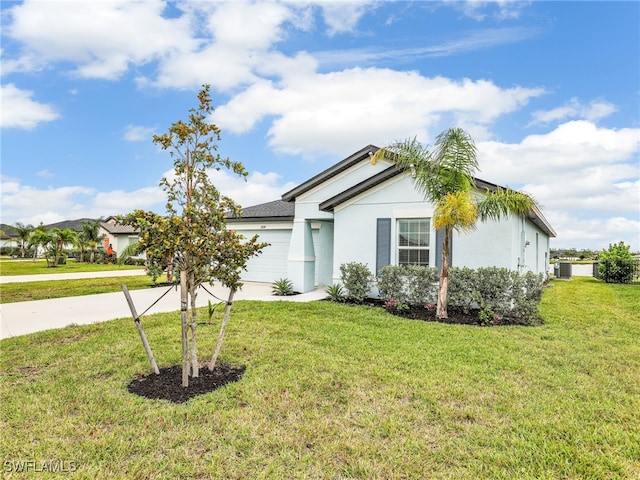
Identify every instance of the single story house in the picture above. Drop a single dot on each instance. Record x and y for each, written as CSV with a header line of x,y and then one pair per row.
x,y
371,212
119,236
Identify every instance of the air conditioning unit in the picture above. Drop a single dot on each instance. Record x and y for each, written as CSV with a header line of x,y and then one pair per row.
x,y
562,270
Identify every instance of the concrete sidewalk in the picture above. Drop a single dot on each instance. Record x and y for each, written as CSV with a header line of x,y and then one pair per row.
x,y
29,317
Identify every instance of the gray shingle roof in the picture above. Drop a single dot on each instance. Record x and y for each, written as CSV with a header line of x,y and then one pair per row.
x,y
278,209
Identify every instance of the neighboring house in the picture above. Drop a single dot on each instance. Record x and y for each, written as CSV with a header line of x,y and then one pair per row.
x,y
119,236
8,236
360,211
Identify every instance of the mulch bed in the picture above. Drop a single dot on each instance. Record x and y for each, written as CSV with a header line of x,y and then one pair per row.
x,y
426,315
168,385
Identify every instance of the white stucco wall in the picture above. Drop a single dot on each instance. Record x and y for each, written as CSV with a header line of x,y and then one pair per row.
x,y
307,204
499,244
355,222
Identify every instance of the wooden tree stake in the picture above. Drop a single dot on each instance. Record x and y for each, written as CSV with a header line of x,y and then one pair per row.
x,y
143,337
227,312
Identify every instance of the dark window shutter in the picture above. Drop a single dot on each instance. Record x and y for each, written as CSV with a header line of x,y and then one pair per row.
x,y
383,243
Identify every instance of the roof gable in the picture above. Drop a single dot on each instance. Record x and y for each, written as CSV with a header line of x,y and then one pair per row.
x,y
331,172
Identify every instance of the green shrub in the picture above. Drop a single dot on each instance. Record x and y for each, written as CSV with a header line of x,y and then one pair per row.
x,y
390,283
486,316
356,278
412,285
462,283
617,264
497,292
282,287
421,285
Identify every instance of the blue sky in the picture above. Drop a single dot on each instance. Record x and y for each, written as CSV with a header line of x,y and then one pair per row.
x,y
550,92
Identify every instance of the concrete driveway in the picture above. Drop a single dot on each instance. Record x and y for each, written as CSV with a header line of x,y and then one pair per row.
x,y
28,317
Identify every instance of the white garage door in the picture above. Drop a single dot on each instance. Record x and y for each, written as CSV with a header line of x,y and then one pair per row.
x,y
271,264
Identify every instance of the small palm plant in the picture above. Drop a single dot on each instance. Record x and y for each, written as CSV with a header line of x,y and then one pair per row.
x,y
282,287
336,293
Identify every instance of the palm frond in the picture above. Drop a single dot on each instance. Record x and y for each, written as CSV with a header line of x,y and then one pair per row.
x,y
456,211
504,202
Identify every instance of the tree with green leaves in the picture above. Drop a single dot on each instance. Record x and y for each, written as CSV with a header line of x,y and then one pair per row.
x,y
42,239
23,232
60,238
446,177
90,236
193,234
617,264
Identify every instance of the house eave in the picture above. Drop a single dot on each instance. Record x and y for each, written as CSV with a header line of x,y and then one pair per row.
x,y
348,162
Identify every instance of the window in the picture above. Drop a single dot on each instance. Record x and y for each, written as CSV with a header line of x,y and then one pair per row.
x,y
413,241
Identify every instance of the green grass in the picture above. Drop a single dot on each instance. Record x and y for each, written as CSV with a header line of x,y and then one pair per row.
x,y
29,267
26,291
334,391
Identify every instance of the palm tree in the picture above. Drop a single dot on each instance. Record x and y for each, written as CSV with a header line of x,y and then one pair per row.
x,y
23,231
60,239
40,237
91,234
446,177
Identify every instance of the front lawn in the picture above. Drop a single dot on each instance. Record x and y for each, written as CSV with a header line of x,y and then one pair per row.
x,y
27,291
29,267
335,391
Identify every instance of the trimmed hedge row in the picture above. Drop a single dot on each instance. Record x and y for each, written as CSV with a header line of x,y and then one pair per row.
x,y
501,291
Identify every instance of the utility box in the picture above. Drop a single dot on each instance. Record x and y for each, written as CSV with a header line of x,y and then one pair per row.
x,y
562,270
595,270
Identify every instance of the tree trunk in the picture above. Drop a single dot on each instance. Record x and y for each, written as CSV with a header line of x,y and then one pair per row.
x,y
227,312
195,369
185,328
441,309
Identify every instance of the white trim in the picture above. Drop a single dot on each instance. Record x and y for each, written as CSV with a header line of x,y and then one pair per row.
x,y
363,163
259,226
300,258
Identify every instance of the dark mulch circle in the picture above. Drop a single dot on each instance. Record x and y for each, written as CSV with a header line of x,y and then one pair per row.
x,y
168,384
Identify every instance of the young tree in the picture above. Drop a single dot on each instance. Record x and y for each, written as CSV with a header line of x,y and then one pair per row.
x,y
24,232
446,177
617,264
193,234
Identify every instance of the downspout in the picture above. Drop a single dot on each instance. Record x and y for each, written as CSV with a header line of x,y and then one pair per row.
x,y
523,245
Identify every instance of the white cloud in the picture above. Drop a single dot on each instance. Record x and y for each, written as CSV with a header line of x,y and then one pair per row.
x,y
103,38
259,187
595,233
585,177
573,109
356,107
569,148
44,173
499,9
33,205
343,16
138,133
19,110
472,41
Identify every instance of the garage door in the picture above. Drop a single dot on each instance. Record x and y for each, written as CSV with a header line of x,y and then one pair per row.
x,y
271,264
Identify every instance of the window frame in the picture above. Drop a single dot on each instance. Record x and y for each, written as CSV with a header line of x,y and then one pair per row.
x,y
418,236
